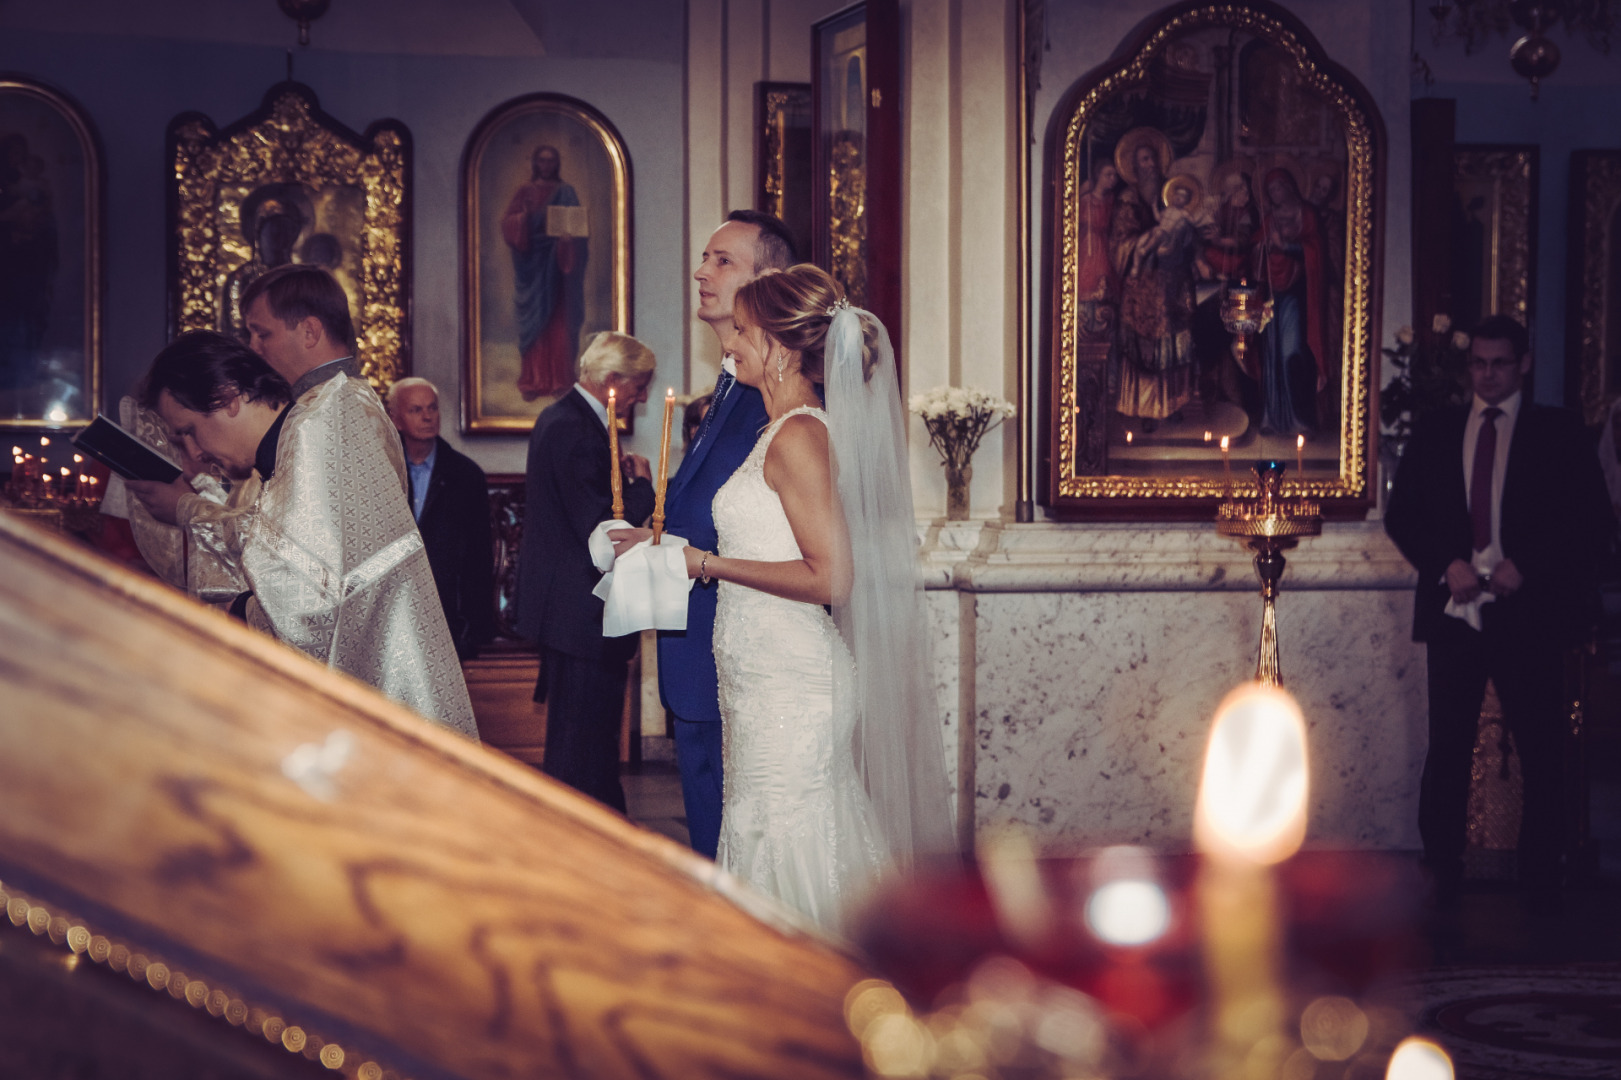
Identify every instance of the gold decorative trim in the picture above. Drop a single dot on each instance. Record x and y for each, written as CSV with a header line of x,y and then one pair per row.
x,y
1595,204
1359,133
291,141
90,145
1511,173
147,966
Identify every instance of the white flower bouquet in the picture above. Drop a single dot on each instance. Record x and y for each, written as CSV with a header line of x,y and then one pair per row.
x,y
957,418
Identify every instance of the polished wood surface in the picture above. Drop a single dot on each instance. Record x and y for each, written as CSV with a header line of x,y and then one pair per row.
x,y
440,900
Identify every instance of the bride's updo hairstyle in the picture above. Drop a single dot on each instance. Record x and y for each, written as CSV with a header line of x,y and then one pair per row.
x,y
792,307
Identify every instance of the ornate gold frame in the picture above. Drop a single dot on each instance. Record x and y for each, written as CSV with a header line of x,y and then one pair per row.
x,y
91,254
1511,174
290,140
474,420
1070,494
783,108
1595,205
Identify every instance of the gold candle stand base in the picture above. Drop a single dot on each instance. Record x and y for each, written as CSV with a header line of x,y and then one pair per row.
x,y
1269,526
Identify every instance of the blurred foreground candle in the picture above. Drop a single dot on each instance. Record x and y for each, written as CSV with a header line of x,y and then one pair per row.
x,y
1419,1059
1251,815
1300,452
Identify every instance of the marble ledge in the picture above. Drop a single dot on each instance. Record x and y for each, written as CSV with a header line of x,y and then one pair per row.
x,y
1003,557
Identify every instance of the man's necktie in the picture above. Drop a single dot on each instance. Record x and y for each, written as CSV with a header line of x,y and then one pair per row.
x,y
1480,478
722,385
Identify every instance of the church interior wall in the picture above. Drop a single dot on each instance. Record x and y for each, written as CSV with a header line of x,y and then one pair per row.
x,y
132,76
1575,110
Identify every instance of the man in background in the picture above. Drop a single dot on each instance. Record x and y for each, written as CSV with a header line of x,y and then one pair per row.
x,y
567,494
450,501
1500,508
748,243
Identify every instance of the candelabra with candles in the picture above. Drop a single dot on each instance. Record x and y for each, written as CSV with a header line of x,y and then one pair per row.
x,y
59,493
1270,525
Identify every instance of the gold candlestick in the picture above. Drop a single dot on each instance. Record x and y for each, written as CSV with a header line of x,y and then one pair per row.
x,y
664,466
1270,526
615,481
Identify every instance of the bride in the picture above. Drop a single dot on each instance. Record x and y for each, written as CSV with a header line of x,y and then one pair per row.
x,y
834,764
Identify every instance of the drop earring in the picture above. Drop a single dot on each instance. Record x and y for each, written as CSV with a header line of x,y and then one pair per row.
x,y
782,364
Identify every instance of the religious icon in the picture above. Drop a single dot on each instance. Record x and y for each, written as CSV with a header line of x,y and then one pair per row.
x,y
50,259
289,184
545,253
548,232
1214,159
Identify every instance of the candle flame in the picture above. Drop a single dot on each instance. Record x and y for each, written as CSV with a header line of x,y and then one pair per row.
x,y
1252,799
15,450
44,441
1224,444
1419,1059
1300,442
1128,438
64,470
669,391
78,458
1207,436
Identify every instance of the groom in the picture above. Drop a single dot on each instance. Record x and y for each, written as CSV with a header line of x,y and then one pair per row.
x,y
749,243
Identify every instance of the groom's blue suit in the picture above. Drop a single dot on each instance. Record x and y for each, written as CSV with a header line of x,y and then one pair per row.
x,y
688,684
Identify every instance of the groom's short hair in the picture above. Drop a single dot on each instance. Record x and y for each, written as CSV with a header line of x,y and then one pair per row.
x,y
774,247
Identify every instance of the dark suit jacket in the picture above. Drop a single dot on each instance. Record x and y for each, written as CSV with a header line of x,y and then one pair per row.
x,y
688,684
455,526
1555,519
568,495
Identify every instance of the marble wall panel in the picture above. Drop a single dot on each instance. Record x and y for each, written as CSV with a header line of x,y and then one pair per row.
x,y
1092,709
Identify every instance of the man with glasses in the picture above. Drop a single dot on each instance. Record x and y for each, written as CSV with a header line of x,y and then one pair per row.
x,y
1500,507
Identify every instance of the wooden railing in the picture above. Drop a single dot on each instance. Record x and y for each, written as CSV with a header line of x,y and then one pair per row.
x,y
312,854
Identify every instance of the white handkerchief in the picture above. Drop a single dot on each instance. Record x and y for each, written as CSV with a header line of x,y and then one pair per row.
x,y
1470,612
602,548
647,587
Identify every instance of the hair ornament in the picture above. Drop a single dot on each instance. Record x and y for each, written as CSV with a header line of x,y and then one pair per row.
x,y
841,304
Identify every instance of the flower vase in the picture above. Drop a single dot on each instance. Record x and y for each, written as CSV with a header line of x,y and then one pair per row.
x,y
957,481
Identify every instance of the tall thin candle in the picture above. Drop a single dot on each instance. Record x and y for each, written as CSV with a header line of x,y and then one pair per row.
x,y
1227,466
664,466
1300,458
616,481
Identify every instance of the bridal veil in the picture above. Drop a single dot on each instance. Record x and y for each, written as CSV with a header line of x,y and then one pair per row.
x,y
898,745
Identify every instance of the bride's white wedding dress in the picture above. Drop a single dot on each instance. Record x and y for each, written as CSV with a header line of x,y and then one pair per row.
x,y
796,822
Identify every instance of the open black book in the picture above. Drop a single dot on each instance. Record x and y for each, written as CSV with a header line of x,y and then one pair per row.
x,y
123,453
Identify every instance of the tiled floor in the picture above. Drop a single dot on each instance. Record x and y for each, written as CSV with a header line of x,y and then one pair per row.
x,y
653,793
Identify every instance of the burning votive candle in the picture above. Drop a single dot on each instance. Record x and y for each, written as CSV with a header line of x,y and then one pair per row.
x,y
1251,815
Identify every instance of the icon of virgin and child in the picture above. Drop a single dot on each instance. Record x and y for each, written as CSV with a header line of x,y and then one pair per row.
x,y
1157,241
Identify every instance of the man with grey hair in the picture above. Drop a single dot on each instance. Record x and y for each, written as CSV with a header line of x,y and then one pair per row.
x,y
450,501
582,674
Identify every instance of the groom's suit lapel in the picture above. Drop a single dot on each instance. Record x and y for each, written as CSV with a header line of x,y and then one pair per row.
x,y
695,457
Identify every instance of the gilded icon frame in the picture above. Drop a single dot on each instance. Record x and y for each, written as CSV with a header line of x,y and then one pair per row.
x,y
63,213
348,197
1102,458
785,130
1498,183
1593,284
594,166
